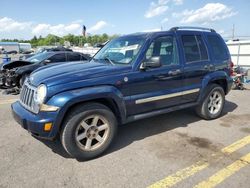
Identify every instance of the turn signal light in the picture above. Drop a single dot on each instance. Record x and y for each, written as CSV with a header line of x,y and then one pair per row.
x,y
231,66
47,127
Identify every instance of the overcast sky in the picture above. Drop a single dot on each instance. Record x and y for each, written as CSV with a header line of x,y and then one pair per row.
x,y
26,18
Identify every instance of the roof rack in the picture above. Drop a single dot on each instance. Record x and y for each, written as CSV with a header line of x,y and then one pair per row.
x,y
192,28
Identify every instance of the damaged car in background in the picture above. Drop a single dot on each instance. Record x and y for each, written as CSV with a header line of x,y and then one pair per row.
x,y
44,49
13,74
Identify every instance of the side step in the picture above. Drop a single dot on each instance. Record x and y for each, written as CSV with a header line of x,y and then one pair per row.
x,y
158,112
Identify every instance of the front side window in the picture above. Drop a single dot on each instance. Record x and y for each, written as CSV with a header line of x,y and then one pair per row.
x,y
166,49
194,48
122,50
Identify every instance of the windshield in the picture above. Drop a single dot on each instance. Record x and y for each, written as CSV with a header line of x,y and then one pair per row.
x,y
122,50
39,57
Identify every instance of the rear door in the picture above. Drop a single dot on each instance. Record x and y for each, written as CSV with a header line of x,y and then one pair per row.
x,y
196,63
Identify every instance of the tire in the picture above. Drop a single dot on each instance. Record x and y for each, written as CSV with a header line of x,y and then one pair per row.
x,y
81,126
212,103
22,79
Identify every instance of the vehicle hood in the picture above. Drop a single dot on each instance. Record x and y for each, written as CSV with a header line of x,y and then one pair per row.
x,y
74,72
15,64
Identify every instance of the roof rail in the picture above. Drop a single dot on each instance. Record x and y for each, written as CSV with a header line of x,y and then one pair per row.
x,y
192,28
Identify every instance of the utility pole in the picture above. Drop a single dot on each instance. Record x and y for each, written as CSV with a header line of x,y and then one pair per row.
x,y
233,31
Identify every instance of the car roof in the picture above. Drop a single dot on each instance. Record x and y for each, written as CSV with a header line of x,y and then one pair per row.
x,y
173,30
59,52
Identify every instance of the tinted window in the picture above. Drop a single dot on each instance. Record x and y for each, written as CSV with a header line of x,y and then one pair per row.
x,y
194,48
58,58
218,47
202,48
74,57
166,49
83,58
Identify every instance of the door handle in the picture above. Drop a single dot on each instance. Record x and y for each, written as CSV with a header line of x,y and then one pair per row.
x,y
174,73
206,67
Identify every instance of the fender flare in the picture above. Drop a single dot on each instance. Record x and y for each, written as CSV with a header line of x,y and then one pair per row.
x,y
212,77
67,99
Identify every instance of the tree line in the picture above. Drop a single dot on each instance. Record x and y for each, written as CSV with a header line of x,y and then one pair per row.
x,y
74,40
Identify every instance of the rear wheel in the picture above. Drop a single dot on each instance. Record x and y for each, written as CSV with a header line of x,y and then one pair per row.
x,y
88,131
213,102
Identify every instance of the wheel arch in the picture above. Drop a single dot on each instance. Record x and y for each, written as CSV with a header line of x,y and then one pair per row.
x,y
105,95
219,77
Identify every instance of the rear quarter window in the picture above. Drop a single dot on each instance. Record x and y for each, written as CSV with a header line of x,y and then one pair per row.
x,y
218,47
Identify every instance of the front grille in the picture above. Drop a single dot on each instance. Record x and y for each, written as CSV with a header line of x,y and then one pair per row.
x,y
27,98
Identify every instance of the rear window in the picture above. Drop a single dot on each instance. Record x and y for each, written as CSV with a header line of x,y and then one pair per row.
x,y
218,48
194,48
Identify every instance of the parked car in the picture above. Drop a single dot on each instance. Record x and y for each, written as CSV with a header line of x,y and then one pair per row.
x,y
132,77
41,50
14,73
12,52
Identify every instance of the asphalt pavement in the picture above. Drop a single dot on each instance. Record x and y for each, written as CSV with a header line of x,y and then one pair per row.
x,y
172,150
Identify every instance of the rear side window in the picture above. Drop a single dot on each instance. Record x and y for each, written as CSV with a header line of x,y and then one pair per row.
x,y
58,58
74,57
84,58
194,48
218,47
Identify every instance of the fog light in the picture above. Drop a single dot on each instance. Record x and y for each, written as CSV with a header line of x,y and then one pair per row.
x,y
47,127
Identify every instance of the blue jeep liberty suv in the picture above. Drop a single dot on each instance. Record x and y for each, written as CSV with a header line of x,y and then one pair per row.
x,y
132,77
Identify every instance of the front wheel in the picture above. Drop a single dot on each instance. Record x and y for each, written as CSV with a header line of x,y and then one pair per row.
x,y
88,131
212,104
22,80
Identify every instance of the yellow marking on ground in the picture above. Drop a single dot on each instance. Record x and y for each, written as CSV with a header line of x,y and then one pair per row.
x,y
7,101
195,168
236,145
221,175
180,175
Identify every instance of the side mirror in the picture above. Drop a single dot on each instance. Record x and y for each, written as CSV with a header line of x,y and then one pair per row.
x,y
47,61
153,62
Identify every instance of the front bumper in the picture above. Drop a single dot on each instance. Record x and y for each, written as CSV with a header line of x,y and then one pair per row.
x,y
34,123
2,80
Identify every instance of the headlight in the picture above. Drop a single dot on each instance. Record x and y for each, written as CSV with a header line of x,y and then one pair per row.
x,y
41,94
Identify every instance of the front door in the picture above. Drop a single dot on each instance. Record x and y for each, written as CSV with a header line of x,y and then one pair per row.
x,y
157,88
